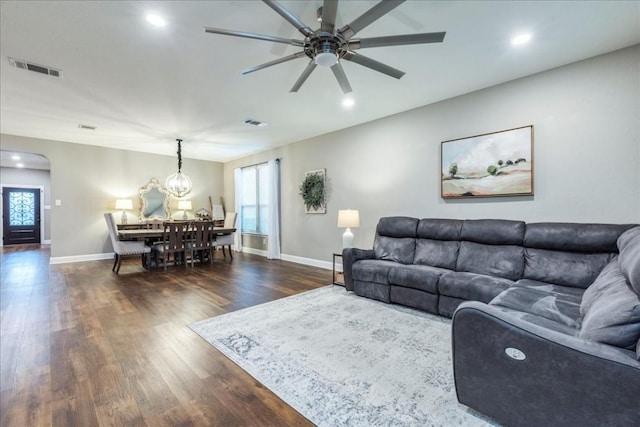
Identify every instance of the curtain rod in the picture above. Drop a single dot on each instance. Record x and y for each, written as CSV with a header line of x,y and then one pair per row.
x,y
277,159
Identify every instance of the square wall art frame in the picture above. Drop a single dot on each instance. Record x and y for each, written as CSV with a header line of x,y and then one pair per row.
x,y
493,164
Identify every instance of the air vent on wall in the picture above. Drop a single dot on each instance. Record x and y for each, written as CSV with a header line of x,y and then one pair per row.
x,y
42,69
255,122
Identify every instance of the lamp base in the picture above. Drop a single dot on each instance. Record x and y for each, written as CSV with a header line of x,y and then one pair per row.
x,y
347,239
184,215
123,219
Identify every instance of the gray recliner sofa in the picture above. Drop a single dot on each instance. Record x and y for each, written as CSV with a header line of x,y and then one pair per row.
x,y
546,316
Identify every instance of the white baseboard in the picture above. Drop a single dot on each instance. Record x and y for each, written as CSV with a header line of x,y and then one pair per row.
x,y
310,261
79,258
291,258
297,259
254,251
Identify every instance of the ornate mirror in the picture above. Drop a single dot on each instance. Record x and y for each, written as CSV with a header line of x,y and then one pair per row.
x,y
154,201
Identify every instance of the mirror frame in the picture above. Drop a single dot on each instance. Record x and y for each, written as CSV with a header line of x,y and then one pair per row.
x,y
153,184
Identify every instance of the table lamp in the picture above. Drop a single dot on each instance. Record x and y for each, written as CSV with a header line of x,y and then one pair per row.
x,y
184,206
124,205
348,219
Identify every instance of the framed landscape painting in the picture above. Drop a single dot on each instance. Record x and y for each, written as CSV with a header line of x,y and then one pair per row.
x,y
488,165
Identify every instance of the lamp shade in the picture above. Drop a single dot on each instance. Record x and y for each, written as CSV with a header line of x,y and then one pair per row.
x,y
348,218
184,205
123,204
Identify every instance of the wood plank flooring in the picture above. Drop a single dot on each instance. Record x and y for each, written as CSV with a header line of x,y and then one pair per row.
x,y
81,346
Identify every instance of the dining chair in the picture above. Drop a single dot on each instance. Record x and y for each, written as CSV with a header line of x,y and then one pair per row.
x,y
222,240
122,248
175,236
200,243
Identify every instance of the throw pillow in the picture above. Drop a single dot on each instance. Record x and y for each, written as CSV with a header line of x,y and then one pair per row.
x,y
629,247
611,310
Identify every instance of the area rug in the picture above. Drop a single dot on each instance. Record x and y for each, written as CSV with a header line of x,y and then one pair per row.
x,y
344,360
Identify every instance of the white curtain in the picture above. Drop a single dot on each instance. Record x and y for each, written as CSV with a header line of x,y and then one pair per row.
x,y
273,240
237,240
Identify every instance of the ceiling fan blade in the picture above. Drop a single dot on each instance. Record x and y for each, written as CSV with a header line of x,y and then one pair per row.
x,y
329,12
293,42
275,62
342,78
396,40
373,64
303,77
293,20
370,16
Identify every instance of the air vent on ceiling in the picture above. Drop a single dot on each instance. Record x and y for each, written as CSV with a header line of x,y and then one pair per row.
x,y
42,69
81,126
255,122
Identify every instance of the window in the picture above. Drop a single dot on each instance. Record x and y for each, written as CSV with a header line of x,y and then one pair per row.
x,y
254,208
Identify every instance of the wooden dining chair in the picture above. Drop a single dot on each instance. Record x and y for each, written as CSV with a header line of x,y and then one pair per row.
x,y
199,245
175,236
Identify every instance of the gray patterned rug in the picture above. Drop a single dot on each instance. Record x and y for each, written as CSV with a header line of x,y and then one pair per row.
x,y
344,360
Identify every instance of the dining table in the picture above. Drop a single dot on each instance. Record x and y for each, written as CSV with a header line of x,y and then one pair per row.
x,y
151,235
156,233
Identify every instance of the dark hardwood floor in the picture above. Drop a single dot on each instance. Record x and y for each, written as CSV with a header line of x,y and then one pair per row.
x,y
81,346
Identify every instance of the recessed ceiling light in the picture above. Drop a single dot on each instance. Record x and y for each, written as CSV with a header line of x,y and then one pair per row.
x,y
520,39
19,165
156,20
348,102
15,157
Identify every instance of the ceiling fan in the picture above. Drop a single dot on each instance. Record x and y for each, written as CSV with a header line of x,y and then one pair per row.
x,y
327,45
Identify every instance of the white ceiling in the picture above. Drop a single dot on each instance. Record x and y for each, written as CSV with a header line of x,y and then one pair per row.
x,y
143,86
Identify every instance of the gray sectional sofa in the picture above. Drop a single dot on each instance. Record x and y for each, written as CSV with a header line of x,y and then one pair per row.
x,y
546,316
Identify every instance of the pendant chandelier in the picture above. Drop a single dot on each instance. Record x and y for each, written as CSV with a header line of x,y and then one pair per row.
x,y
179,184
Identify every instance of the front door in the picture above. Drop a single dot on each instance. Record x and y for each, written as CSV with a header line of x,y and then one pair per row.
x,y
21,215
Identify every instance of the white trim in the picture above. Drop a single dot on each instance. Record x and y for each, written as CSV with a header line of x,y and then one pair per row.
x,y
308,261
80,258
327,265
46,242
253,251
42,207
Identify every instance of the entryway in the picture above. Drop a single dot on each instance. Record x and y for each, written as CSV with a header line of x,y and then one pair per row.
x,y
21,215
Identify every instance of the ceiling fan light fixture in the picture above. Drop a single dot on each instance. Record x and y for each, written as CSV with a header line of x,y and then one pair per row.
x,y
326,59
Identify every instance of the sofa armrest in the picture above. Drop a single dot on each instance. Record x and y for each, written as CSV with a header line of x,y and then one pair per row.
x,y
561,380
349,256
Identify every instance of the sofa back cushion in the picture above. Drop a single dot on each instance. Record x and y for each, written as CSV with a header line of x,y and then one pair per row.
x,y
438,242
610,310
569,254
396,239
492,247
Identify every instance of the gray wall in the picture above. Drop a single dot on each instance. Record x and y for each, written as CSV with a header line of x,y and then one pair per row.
x,y
88,179
35,178
586,119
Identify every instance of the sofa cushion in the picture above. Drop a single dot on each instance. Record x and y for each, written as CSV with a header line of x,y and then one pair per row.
x,y
420,277
437,253
564,268
372,270
493,231
471,286
395,249
573,237
629,247
397,226
505,261
559,304
611,310
440,229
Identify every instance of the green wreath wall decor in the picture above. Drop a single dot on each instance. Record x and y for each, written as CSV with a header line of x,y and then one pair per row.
x,y
312,191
